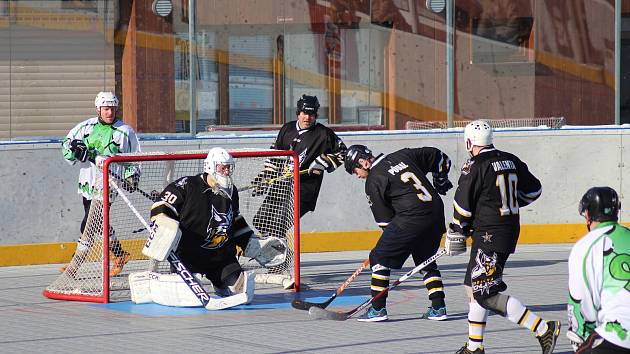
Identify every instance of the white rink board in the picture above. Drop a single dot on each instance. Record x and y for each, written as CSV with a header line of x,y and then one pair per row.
x,y
40,203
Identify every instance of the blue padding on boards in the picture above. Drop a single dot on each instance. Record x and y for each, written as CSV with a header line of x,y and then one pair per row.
x,y
261,302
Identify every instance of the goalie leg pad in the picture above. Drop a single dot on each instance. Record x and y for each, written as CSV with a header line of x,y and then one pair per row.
x,y
171,290
242,283
245,297
164,238
247,282
140,288
269,252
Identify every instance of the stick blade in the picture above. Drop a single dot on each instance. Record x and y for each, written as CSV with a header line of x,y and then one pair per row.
x,y
306,305
221,303
317,313
301,305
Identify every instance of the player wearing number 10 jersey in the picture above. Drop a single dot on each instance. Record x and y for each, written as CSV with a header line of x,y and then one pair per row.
x,y
492,187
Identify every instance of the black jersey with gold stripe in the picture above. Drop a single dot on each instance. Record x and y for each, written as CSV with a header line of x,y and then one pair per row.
x,y
400,193
309,144
493,185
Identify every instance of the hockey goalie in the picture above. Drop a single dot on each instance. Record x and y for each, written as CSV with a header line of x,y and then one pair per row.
x,y
196,226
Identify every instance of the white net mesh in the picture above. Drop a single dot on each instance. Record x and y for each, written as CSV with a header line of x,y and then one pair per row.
x,y
268,209
550,122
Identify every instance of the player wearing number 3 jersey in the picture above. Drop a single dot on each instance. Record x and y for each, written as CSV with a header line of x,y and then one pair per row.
x,y
410,211
492,187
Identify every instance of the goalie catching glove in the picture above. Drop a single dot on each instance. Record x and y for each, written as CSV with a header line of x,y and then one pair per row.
x,y
269,252
455,242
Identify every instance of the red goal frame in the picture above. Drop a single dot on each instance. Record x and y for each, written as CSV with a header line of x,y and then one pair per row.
x,y
105,296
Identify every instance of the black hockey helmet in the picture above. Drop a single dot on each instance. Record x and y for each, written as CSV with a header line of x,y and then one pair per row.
x,y
602,204
308,105
354,153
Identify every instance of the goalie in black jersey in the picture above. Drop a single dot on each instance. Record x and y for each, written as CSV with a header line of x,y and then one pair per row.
x,y
319,149
492,187
410,211
198,217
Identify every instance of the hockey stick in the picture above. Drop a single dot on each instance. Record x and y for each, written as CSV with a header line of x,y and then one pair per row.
x,y
271,181
210,303
305,305
153,196
207,301
320,313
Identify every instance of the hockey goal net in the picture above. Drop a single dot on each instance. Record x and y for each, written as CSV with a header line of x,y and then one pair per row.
x,y
270,210
547,122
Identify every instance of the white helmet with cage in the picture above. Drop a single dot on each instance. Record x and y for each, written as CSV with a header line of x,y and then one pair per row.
x,y
106,99
220,165
477,133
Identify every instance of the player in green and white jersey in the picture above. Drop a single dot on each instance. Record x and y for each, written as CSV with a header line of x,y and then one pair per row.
x,y
103,135
599,278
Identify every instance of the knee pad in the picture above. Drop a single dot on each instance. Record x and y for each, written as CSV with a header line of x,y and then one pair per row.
x,y
496,303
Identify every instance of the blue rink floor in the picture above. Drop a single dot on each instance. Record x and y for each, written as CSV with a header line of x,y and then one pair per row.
x,y
31,323
261,302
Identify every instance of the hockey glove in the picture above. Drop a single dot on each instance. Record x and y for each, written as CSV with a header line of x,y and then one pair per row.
x,y
316,168
329,162
441,183
260,185
79,150
130,184
455,242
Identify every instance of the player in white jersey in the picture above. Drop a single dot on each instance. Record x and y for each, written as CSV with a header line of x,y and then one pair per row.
x,y
599,278
104,135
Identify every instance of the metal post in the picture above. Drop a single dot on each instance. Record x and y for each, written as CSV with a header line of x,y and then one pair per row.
x,y
192,67
618,62
450,65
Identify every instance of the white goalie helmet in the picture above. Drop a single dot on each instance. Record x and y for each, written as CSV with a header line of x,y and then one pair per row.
x,y
106,99
223,173
477,133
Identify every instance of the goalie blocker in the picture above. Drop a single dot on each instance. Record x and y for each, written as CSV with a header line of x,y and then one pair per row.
x,y
163,238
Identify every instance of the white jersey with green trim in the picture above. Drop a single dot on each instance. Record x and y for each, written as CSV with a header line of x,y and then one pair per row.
x,y
599,284
100,139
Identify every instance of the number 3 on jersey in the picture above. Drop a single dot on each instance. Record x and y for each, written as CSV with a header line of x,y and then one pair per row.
x,y
424,194
509,203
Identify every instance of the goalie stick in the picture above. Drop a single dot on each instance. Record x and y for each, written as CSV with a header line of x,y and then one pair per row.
x,y
305,305
271,181
210,303
320,313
